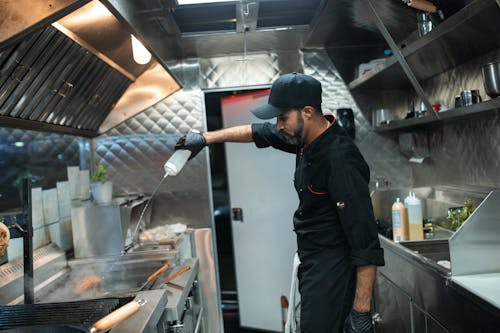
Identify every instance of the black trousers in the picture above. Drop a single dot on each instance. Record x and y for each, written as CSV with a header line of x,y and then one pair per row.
x,y
327,284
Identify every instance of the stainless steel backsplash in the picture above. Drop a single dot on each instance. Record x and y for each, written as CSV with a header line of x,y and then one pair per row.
x,y
464,152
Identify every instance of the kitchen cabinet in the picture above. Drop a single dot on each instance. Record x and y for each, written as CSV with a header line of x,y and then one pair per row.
x,y
415,294
418,319
397,312
433,326
393,306
407,76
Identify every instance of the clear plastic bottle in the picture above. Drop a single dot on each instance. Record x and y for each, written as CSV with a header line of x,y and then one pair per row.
x,y
399,221
176,162
415,222
407,199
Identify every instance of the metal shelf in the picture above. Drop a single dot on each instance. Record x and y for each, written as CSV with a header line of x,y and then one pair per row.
x,y
455,41
458,39
444,116
391,76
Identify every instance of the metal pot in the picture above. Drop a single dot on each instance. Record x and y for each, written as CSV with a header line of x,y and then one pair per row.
x,y
491,79
381,117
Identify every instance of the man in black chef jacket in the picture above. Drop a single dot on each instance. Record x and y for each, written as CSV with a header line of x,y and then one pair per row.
x,y
337,237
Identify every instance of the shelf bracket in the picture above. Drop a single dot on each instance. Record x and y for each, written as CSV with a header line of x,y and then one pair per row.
x,y
401,59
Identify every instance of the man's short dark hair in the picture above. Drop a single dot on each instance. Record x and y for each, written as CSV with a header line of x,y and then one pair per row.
x,y
318,108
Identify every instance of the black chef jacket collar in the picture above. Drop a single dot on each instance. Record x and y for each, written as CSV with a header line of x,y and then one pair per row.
x,y
328,134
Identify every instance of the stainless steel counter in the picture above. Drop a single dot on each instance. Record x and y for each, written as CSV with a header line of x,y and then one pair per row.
x,y
486,286
413,292
176,296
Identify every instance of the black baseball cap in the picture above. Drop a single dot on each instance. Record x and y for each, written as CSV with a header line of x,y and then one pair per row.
x,y
294,90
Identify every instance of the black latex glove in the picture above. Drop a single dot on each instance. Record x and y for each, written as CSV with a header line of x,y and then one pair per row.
x,y
194,141
358,322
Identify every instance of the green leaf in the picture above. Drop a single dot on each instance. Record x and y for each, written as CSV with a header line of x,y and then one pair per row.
x,y
99,175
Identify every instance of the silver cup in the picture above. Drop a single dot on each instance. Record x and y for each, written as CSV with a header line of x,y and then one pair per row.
x,y
469,97
424,23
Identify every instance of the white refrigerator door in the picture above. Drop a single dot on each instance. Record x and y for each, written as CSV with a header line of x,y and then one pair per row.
x,y
261,184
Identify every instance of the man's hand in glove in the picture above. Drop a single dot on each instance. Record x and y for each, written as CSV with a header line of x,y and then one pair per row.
x,y
358,322
194,141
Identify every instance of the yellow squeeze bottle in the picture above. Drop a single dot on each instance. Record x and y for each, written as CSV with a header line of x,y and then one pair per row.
x,y
399,221
416,230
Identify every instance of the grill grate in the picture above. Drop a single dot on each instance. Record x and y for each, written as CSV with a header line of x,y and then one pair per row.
x,y
82,313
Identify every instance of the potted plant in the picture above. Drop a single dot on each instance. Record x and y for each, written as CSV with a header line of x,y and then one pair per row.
x,y
100,185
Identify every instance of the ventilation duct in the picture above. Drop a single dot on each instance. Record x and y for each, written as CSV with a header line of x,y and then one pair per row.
x,y
76,76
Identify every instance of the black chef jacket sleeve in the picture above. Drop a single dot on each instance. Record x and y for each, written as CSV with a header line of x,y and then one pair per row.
x,y
348,184
265,135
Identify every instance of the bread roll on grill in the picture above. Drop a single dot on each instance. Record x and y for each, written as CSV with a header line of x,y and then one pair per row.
x,y
4,238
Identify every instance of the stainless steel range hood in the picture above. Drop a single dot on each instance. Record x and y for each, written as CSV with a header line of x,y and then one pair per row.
x,y
76,76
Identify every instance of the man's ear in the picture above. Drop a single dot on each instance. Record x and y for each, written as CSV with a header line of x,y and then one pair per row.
x,y
308,112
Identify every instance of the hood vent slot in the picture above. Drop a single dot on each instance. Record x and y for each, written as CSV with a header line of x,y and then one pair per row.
x,y
49,82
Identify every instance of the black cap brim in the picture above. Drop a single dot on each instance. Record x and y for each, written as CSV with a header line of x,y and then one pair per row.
x,y
267,111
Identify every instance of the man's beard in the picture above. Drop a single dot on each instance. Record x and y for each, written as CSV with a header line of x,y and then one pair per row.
x,y
296,138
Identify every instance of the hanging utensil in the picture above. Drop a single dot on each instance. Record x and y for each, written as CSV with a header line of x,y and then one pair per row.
x,y
178,273
423,5
151,279
174,276
117,316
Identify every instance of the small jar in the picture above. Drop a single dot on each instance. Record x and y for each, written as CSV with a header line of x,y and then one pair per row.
x,y
428,230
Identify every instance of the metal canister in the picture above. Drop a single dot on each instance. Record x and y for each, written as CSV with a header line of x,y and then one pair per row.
x,y
428,229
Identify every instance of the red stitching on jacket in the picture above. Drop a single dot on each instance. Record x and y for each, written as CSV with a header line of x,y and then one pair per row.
x,y
309,187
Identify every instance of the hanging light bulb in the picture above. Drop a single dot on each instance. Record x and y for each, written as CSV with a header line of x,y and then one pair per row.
x,y
139,52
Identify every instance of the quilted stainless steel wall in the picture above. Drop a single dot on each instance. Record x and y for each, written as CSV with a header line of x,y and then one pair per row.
x,y
465,152
236,71
135,151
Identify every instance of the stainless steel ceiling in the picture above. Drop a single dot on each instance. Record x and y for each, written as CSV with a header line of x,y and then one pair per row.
x,y
344,28
208,30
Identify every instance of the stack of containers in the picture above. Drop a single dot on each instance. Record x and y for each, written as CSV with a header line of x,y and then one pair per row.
x,y
40,234
74,182
84,185
76,188
61,233
51,212
79,183
57,205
